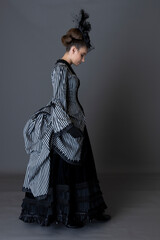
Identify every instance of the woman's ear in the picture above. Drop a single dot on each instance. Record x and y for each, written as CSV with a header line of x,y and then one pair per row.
x,y
73,49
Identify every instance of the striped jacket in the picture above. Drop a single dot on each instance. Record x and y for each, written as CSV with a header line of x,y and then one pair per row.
x,y
48,128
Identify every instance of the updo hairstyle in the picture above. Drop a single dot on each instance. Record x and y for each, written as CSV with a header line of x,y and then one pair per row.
x,y
73,37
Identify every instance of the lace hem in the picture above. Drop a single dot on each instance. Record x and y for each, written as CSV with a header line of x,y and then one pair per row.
x,y
81,203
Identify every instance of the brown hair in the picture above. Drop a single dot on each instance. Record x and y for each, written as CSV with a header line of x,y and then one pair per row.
x,y
73,37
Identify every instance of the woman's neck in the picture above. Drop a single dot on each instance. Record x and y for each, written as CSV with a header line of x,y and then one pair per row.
x,y
66,58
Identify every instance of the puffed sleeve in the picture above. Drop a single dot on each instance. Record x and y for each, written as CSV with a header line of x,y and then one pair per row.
x,y
61,120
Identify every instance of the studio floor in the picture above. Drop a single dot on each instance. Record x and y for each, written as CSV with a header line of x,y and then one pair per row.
x,y
133,201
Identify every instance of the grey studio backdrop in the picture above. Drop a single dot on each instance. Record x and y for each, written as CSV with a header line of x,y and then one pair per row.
x,y
119,88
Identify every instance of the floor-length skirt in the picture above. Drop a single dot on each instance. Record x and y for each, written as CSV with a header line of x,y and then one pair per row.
x,y
74,191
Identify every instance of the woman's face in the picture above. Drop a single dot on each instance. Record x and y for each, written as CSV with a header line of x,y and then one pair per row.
x,y
78,56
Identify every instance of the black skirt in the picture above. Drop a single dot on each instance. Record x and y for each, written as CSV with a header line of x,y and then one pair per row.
x,y
74,191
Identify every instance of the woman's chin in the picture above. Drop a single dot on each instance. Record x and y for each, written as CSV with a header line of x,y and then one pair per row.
x,y
76,64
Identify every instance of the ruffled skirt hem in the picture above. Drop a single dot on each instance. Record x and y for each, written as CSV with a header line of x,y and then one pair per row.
x,y
74,192
80,204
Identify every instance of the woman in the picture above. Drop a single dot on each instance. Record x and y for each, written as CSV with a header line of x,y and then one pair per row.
x,y
61,182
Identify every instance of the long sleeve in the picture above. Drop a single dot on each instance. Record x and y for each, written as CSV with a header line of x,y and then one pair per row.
x,y
61,120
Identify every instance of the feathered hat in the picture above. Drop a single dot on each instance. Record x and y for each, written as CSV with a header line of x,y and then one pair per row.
x,y
84,26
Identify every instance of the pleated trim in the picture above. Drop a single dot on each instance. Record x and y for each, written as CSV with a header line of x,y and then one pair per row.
x,y
79,202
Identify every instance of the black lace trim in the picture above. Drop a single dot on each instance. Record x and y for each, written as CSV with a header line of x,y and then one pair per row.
x,y
81,203
60,152
78,163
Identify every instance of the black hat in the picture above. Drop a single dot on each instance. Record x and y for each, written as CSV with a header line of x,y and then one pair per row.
x,y
84,27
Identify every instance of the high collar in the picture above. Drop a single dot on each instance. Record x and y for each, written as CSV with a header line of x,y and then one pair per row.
x,y
67,63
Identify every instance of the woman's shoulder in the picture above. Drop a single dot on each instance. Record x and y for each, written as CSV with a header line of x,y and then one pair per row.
x,y
59,69
62,64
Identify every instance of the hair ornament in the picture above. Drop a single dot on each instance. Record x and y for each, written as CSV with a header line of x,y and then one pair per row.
x,y
84,26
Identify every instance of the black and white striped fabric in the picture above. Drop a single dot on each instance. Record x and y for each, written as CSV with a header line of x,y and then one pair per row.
x,y
37,135
47,128
67,111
